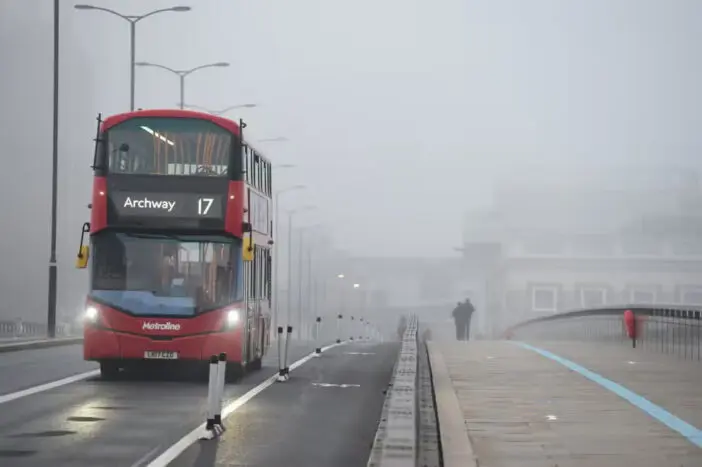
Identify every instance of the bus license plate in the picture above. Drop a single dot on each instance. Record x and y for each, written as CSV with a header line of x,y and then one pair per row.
x,y
161,355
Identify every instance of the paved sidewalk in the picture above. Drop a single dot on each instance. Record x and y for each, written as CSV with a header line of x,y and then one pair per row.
x,y
521,409
664,379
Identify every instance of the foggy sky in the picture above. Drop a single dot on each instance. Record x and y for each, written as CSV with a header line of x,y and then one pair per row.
x,y
399,112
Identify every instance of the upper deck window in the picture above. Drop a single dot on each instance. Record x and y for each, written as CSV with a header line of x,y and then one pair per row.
x,y
257,170
168,146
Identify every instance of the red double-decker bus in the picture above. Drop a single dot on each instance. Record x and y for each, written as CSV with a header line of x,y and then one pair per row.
x,y
179,247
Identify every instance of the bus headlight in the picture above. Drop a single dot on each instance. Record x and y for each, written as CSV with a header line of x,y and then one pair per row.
x,y
233,317
91,314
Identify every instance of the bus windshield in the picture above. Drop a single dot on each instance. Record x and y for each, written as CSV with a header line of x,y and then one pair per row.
x,y
168,146
166,275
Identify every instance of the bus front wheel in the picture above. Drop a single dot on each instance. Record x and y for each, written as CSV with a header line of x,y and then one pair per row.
x,y
255,364
109,370
234,372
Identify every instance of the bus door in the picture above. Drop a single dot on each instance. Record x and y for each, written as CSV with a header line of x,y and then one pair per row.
x,y
247,319
258,271
253,286
266,305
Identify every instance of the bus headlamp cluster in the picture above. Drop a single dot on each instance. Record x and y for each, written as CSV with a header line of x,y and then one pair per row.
x,y
233,317
91,314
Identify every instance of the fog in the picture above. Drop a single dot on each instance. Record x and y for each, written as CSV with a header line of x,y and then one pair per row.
x,y
400,116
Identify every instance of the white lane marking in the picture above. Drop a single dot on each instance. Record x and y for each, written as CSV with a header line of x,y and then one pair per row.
x,y
551,417
172,453
332,385
45,387
146,456
359,353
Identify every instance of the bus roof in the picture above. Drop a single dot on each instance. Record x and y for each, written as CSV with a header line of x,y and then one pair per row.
x,y
225,123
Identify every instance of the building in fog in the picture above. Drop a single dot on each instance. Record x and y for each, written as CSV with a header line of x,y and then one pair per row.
x,y
546,247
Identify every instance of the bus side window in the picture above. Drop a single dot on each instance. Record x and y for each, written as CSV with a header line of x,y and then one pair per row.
x,y
269,184
247,163
257,172
269,188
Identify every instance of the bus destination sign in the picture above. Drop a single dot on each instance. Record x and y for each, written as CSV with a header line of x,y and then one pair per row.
x,y
169,205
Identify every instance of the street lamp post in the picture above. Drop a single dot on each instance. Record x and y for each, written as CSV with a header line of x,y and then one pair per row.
x,y
311,302
277,139
290,256
133,20
300,274
182,74
276,249
53,272
221,111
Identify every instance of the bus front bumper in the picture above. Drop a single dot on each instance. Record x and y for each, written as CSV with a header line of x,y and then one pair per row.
x,y
109,345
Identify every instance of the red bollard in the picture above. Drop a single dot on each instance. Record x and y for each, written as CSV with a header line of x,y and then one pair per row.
x,y
630,325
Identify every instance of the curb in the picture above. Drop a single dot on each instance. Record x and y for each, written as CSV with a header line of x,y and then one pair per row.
x,y
39,344
456,447
395,442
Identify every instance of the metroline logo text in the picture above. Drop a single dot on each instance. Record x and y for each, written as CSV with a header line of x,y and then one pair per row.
x,y
146,203
150,326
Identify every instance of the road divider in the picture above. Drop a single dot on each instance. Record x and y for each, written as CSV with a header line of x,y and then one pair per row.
x,y
39,344
338,328
395,442
317,336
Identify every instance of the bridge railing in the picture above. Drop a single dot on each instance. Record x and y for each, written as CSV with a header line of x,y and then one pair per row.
x,y
17,329
668,329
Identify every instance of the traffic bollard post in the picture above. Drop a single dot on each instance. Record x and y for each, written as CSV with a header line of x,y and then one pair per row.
x,y
221,373
338,328
318,337
286,369
281,349
211,394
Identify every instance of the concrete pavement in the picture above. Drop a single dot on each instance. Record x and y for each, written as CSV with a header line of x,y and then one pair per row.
x,y
519,407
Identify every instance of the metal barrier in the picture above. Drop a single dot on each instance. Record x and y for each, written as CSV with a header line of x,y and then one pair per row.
x,y
673,329
18,329
395,442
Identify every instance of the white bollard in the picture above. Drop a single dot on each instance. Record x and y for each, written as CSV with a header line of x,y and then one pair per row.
x,y
286,369
281,365
338,328
318,337
212,394
221,373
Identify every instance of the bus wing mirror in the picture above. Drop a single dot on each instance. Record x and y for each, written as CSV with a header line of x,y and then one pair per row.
x,y
248,250
83,255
